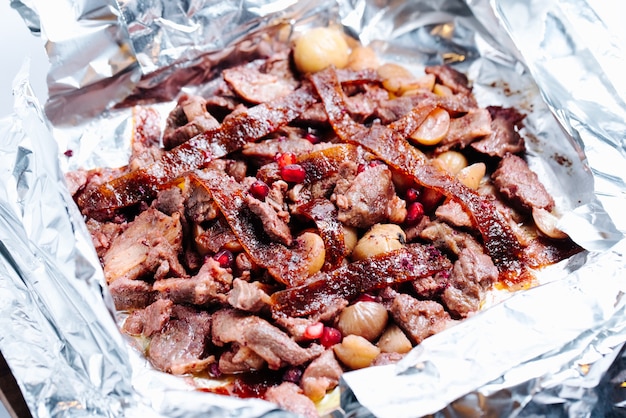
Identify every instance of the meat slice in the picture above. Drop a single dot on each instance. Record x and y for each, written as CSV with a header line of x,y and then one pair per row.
x,y
520,185
444,237
189,118
367,200
473,273
103,233
131,294
181,346
240,359
273,225
504,137
211,284
321,375
448,76
150,245
265,151
269,342
289,396
419,318
249,297
149,320
452,213
255,86
463,130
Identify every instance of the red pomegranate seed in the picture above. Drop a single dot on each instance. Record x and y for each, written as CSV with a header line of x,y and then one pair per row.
x,y
412,195
68,153
293,173
293,374
259,189
360,168
285,159
330,337
366,297
374,163
225,258
314,331
414,213
312,138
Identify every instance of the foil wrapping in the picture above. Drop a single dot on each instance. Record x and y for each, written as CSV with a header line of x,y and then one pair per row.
x,y
554,350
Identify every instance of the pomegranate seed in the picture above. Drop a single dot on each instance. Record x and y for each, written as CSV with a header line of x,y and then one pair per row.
x,y
285,159
360,168
330,337
259,189
214,370
374,163
412,195
314,331
225,258
293,375
312,138
68,153
366,297
293,173
414,213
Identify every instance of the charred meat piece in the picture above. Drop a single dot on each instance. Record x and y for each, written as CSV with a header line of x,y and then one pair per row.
x,y
504,137
149,246
520,185
182,344
419,318
268,341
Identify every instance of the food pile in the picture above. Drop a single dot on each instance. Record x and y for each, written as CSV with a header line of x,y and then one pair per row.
x,y
318,212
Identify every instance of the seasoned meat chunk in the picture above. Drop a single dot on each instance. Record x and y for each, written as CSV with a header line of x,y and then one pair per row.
x,y
419,318
269,342
504,137
150,245
473,273
367,200
321,375
181,345
289,396
520,185
149,320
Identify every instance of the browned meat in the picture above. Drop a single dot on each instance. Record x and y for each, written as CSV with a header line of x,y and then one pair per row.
x,y
362,106
131,294
150,245
504,137
249,297
211,284
296,327
103,233
145,140
450,77
265,151
239,359
452,213
200,206
473,273
449,239
255,86
181,346
419,318
321,375
432,286
149,320
367,200
521,186
188,119
214,237
273,225
289,396
170,201
269,342
465,129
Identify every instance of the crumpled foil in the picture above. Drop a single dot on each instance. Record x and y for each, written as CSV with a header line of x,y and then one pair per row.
x,y
554,350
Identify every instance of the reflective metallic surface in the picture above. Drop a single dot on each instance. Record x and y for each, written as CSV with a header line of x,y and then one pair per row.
x,y
546,351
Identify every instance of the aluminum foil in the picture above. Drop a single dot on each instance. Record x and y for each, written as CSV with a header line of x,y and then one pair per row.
x,y
554,350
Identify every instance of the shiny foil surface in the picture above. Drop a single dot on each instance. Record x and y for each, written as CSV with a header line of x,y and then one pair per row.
x,y
554,350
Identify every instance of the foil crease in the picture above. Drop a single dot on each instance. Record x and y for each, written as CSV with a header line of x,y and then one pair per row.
x,y
554,350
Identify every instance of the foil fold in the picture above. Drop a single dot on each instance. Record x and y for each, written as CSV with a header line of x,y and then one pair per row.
x,y
551,350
